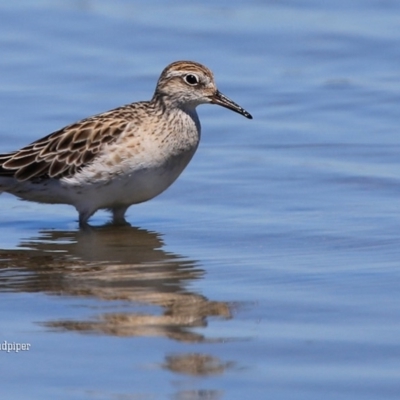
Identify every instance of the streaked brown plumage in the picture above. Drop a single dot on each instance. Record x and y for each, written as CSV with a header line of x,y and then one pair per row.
x,y
121,157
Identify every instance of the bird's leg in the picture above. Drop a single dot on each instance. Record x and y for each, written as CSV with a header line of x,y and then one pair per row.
x,y
84,216
119,215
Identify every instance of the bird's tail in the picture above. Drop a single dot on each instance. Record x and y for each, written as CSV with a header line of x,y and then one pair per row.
x,y
4,171
5,174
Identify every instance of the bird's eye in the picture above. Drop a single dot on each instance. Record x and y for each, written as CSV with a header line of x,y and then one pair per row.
x,y
191,79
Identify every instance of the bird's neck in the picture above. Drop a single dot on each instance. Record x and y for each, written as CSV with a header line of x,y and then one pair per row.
x,y
170,105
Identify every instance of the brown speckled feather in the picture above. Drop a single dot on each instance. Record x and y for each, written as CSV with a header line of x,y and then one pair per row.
x,y
64,152
121,157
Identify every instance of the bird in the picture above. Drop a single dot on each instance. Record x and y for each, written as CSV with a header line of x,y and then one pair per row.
x,y
121,157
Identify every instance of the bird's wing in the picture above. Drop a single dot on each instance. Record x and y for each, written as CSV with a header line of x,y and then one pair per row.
x,y
64,152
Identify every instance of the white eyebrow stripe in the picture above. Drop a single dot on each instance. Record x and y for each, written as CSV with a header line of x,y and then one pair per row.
x,y
204,79
181,73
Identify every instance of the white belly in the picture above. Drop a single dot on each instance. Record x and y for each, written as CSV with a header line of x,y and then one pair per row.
x,y
130,171
128,188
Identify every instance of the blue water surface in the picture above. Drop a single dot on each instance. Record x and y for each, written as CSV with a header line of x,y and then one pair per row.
x,y
270,269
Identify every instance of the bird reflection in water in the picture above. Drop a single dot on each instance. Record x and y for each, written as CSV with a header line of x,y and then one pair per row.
x,y
126,267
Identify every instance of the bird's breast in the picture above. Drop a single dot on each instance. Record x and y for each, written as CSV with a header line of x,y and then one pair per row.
x,y
140,166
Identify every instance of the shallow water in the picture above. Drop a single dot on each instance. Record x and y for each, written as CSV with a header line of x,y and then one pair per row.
x,y
270,269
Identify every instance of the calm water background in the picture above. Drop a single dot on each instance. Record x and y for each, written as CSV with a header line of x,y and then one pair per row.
x,y
270,269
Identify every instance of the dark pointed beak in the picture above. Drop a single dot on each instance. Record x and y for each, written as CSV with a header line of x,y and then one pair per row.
x,y
221,100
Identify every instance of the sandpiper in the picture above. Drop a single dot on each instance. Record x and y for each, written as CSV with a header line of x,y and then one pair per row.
x,y
121,157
